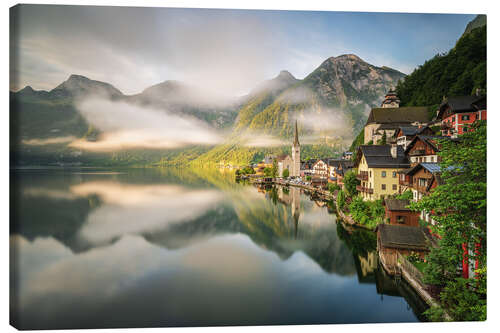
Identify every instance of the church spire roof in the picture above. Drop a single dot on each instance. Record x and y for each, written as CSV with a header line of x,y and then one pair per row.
x,y
296,140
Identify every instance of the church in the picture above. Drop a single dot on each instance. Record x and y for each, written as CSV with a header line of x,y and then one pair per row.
x,y
291,163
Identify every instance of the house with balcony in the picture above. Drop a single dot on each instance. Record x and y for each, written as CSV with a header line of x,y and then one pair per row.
x,y
421,179
337,169
320,168
389,119
405,134
458,113
306,167
425,148
378,168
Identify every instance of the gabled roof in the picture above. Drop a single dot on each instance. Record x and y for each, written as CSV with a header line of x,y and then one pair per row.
x,y
403,115
338,163
431,140
281,157
411,130
403,237
480,103
459,104
379,156
397,205
306,165
433,168
334,162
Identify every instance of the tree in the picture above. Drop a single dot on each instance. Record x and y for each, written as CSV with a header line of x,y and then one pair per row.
x,y
274,169
459,72
333,187
406,195
341,200
350,183
286,173
268,172
459,208
383,140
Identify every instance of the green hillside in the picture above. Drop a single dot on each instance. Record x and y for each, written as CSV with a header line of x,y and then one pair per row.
x,y
458,72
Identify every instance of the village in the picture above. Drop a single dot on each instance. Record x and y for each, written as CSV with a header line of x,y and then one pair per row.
x,y
377,186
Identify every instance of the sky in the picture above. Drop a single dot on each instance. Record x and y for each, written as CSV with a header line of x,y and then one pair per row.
x,y
224,51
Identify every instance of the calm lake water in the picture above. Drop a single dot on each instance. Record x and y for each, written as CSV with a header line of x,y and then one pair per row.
x,y
146,247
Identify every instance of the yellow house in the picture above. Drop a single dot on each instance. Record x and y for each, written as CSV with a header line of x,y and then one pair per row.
x,y
378,168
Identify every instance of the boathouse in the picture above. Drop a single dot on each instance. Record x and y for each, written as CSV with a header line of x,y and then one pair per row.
x,y
406,240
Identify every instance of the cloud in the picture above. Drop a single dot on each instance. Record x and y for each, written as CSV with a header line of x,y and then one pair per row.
x,y
297,95
257,139
127,126
49,141
137,209
133,48
325,119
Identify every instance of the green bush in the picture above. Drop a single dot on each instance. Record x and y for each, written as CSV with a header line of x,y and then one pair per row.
x,y
333,187
341,200
368,213
350,183
406,195
286,173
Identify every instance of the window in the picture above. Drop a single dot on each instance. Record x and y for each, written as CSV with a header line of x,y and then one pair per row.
x,y
370,174
465,117
400,219
465,129
394,187
384,174
394,174
383,186
422,182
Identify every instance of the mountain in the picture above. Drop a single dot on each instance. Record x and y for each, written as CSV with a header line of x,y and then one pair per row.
x,y
330,104
459,72
78,86
179,98
477,22
344,85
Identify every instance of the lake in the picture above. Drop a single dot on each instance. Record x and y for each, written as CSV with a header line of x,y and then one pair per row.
x,y
96,248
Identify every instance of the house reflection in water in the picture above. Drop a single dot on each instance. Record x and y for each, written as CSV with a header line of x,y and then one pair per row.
x,y
368,264
290,196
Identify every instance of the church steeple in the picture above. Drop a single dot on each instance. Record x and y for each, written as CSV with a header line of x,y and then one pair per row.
x,y
295,172
296,140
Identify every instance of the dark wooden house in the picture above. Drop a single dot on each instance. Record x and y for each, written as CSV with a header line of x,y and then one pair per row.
x,y
397,213
392,239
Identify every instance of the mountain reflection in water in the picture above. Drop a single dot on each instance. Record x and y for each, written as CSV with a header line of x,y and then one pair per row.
x,y
170,247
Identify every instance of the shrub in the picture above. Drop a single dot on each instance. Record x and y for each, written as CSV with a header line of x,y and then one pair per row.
x,y
368,213
286,173
333,187
406,195
341,200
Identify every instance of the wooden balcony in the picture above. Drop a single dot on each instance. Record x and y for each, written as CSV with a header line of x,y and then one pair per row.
x,y
362,175
364,189
417,152
405,182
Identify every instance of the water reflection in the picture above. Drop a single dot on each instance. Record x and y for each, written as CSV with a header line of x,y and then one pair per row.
x,y
140,248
